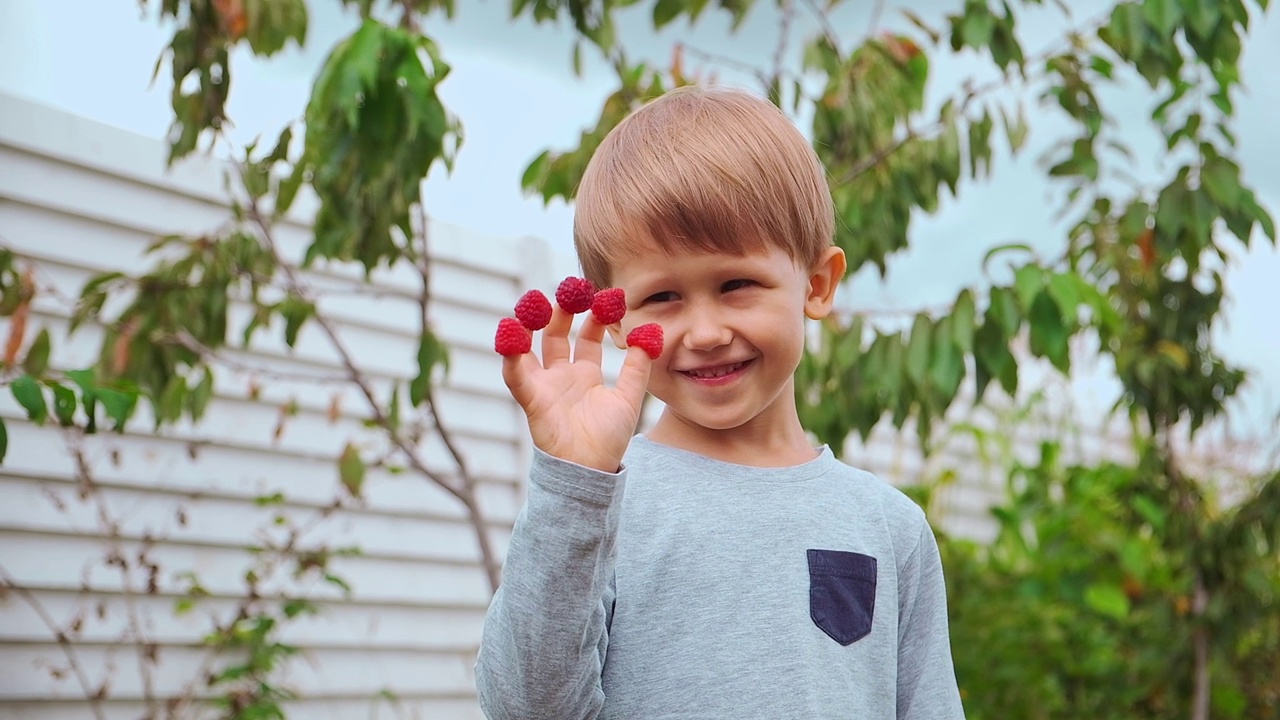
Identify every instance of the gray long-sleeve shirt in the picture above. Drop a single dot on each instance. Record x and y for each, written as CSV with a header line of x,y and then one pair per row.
x,y
685,587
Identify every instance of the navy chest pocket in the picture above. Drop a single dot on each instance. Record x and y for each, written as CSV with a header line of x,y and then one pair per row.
x,y
842,593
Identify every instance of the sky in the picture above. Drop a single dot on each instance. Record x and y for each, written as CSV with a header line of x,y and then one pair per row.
x,y
513,88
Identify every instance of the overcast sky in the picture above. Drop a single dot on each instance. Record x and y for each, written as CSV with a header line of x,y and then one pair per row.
x,y
515,92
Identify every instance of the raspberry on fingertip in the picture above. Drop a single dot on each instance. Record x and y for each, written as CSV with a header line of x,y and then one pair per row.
x,y
512,338
575,294
533,310
647,337
609,306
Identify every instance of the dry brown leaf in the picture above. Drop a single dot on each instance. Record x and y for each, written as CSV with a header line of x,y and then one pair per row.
x,y
1147,247
18,323
17,331
335,408
233,17
123,343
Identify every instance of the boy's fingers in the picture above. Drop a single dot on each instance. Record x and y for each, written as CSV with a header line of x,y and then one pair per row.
x,y
555,337
588,346
517,370
633,378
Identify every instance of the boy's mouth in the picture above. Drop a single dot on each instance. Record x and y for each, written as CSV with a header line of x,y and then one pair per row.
x,y
717,371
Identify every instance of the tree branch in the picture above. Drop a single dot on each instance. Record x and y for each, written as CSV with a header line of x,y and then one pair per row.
x,y
68,648
464,492
779,53
487,556
828,31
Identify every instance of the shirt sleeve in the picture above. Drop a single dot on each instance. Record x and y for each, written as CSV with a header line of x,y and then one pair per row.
x,y
545,634
927,687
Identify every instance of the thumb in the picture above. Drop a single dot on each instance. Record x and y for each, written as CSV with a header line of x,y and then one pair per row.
x,y
633,377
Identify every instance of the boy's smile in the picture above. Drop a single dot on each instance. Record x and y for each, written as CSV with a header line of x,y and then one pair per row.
x,y
734,330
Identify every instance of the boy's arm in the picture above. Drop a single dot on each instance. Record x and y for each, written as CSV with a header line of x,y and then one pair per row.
x,y
545,635
926,677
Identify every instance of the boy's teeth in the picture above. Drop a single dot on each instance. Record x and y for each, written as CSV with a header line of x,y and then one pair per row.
x,y
717,371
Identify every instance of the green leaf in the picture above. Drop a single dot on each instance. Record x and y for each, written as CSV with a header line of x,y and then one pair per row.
x,y
119,405
918,350
198,399
986,259
664,11
1202,16
171,401
1151,511
1108,600
1048,335
1015,128
287,190
338,582
29,396
296,606
1028,280
431,352
351,470
1102,66
1164,15
37,360
64,404
947,366
1004,311
1064,287
1222,180
296,312
4,440
977,26
393,409
964,315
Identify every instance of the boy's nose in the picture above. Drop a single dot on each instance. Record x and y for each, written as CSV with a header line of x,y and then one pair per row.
x,y
705,330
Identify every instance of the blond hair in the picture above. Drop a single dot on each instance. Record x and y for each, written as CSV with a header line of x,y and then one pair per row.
x,y
702,169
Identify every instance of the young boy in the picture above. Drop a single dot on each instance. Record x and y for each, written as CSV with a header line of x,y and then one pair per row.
x,y
718,566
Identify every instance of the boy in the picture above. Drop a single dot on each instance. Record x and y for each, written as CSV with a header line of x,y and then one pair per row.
x,y
719,566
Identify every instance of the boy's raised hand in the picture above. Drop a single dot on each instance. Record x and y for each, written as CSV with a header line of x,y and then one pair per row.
x,y
572,414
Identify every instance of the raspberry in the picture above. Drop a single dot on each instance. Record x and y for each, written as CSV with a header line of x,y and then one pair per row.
x,y
575,294
512,338
647,337
533,310
609,306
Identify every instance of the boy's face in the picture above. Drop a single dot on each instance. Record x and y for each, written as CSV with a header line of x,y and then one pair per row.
x,y
733,328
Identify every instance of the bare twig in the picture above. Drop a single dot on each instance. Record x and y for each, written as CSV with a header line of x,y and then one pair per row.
x,y
971,94
68,648
115,556
429,398
784,36
464,492
186,340
876,11
828,30
726,61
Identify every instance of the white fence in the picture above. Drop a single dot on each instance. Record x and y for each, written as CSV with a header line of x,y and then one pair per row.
x,y
77,198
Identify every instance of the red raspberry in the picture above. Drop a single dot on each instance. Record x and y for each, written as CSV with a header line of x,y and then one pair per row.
x,y
647,337
533,310
609,306
575,294
512,338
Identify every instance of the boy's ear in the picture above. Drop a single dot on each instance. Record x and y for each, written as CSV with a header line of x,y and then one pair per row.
x,y
824,279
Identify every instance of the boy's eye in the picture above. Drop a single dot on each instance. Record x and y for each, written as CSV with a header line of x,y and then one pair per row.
x,y
735,285
661,297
